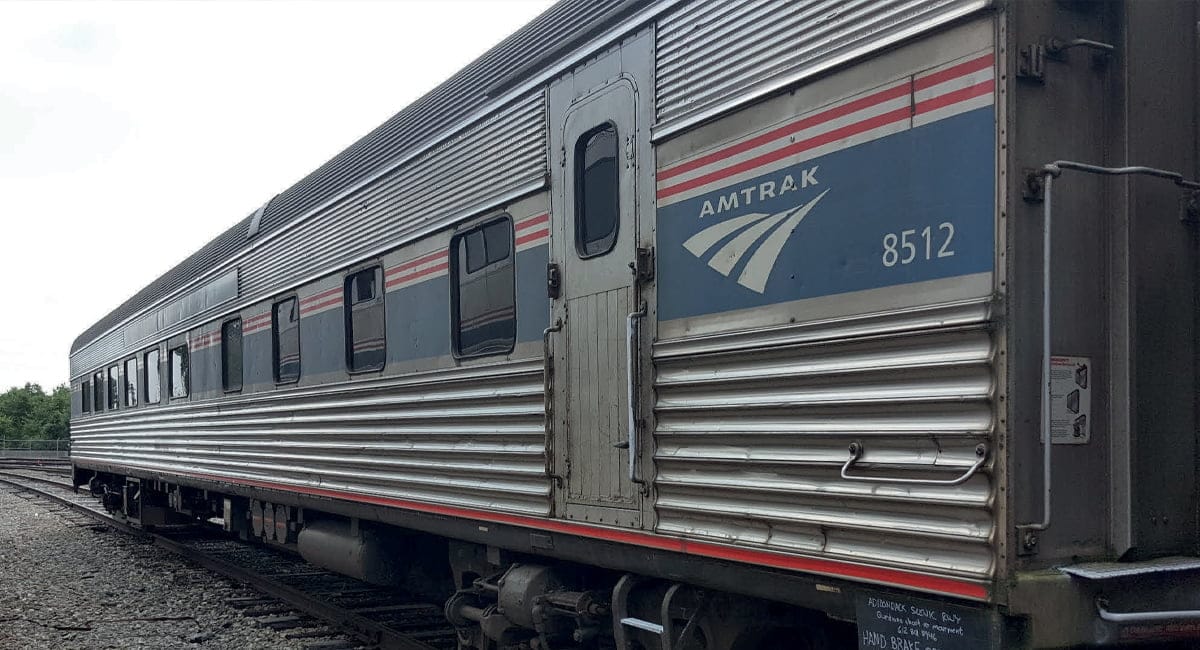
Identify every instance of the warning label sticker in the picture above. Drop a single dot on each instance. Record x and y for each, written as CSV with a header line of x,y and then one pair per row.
x,y
1071,400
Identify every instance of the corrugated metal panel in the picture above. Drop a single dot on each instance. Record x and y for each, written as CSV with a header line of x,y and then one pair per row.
x,y
753,431
478,168
488,162
713,56
209,295
420,123
444,106
466,437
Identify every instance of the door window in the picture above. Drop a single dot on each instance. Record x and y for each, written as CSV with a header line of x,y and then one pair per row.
x,y
597,179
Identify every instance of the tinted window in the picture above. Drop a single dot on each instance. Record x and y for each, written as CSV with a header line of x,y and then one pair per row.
x,y
596,196
131,382
114,387
85,397
484,306
365,343
231,355
153,383
98,391
178,378
286,328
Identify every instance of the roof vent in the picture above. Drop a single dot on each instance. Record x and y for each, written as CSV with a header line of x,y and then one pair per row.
x,y
257,218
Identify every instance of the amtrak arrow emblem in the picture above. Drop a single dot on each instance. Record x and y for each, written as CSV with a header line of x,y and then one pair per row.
x,y
764,233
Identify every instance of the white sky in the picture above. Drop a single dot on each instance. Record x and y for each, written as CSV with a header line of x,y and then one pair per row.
x,y
132,133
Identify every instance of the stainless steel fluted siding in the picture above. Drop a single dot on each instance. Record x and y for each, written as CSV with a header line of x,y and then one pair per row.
x,y
710,53
472,170
470,437
442,111
495,158
753,430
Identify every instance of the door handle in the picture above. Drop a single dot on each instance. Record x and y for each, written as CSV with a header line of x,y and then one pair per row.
x,y
631,364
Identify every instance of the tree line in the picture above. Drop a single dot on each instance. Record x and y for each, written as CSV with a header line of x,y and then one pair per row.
x,y
30,413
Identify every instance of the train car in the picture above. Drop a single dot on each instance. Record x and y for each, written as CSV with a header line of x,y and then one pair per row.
x,y
719,324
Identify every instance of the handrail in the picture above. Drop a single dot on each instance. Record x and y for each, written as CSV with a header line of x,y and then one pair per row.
x,y
631,364
1144,617
548,396
1048,173
856,452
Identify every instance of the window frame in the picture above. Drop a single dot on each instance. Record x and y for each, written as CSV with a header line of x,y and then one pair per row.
x,y
275,367
452,257
225,360
348,316
85,396
187,374
99,391
129,404
577,186
146,365
113,375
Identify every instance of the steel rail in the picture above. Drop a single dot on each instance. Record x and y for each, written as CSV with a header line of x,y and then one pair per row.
x,y
359,626
38,479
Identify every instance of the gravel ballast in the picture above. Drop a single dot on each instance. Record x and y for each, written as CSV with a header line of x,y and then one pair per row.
x,y
68,586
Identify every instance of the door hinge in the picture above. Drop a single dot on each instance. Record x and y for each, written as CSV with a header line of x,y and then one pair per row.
x,y
643,266
553,281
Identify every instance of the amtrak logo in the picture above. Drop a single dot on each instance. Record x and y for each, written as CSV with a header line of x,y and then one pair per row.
x,y
762,235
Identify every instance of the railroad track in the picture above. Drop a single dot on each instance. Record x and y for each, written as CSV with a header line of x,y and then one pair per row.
x,y
57,466
294,594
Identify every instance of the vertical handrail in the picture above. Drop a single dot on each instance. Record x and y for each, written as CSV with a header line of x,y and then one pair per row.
x,y
548,397
631,359
1047,443
1047,174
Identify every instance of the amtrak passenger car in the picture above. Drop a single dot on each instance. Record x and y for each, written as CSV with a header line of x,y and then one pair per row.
x,y
714,324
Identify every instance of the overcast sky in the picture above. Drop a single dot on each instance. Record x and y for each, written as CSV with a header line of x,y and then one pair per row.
x,y
132,133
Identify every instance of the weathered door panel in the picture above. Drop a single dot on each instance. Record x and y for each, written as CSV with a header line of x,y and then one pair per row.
x,y
598,104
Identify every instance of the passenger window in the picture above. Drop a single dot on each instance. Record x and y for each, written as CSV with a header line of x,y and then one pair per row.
x,y
131,381
153,383
597,178
483,300
114,387
85,397
365,337
180,372
286,349
98,391
231,355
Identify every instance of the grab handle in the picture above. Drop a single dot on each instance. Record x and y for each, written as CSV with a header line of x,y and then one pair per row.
x,y
856,452
548,396
1144,617
631,365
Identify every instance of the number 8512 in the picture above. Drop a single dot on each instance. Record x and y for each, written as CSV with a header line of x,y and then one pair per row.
x,y
910,246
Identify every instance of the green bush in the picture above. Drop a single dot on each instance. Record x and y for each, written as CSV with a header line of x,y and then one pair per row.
x,y
29,413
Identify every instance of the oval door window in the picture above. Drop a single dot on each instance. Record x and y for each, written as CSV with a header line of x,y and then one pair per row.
x,y
596,191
